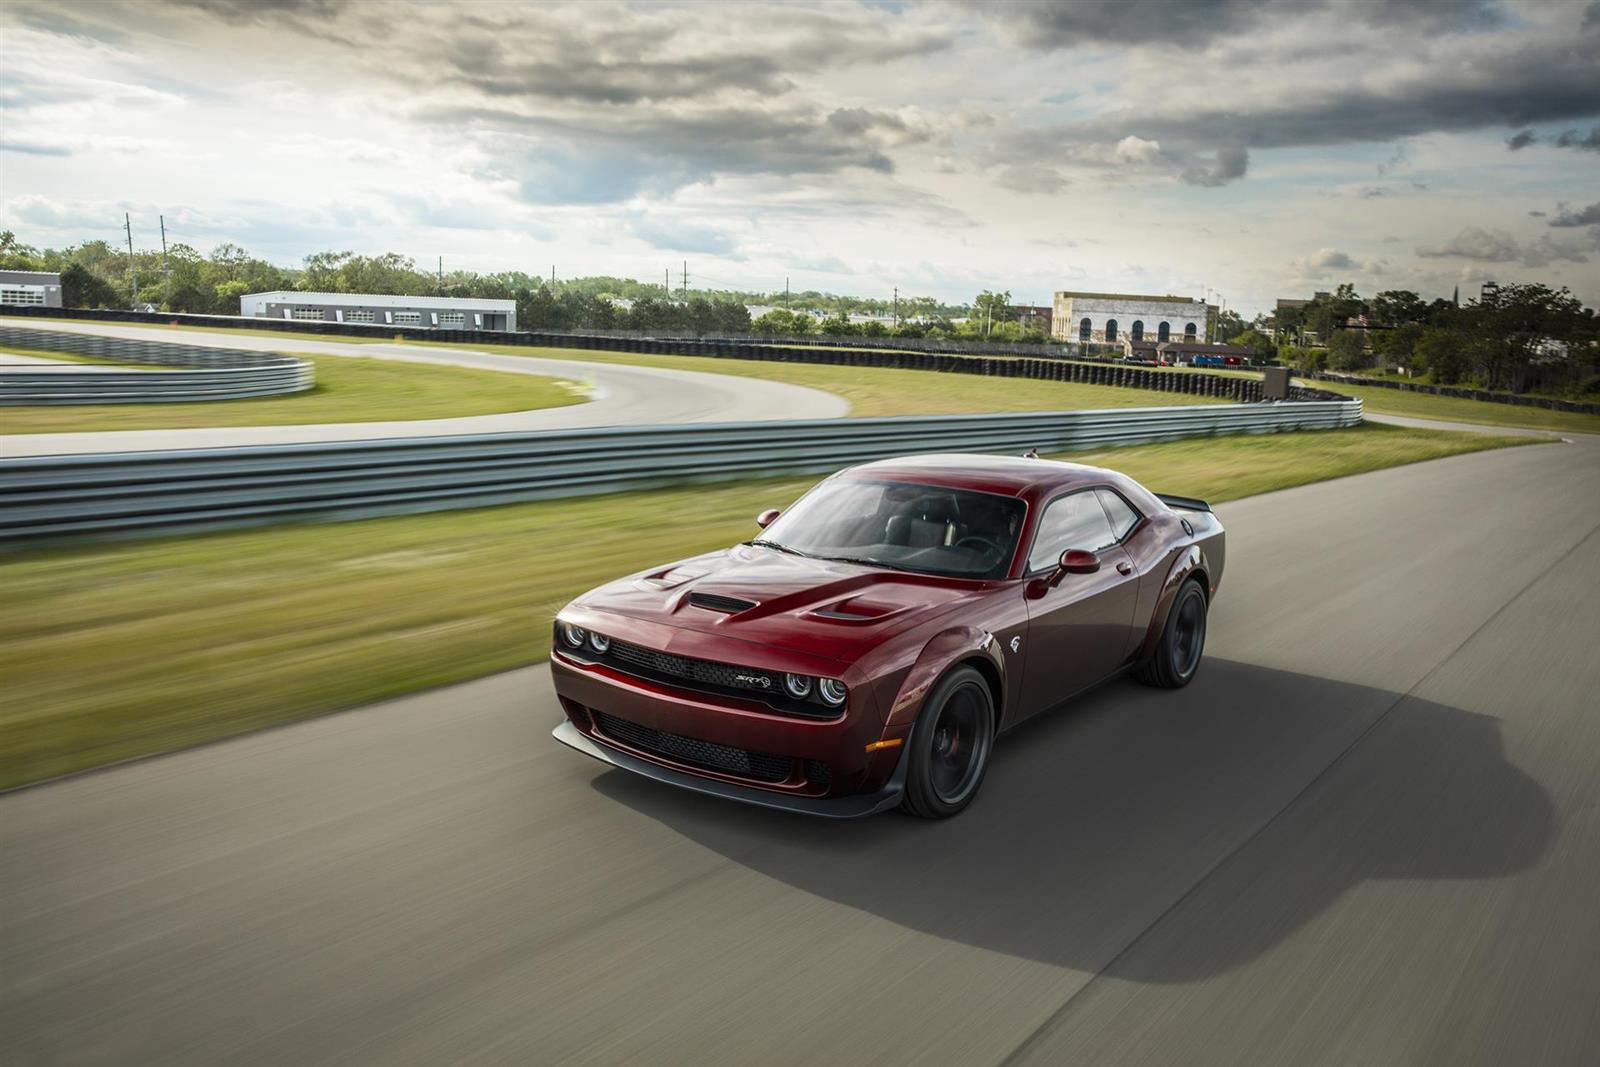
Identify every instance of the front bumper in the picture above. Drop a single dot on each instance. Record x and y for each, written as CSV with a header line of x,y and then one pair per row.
x,y
853,806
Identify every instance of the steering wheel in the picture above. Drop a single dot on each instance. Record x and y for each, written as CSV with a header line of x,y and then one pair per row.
x,y
982,542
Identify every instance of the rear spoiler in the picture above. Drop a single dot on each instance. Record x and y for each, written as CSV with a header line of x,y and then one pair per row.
x,y
1187,503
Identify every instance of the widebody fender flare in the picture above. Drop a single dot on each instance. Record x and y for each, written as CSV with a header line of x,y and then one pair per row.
x,y
944,650
1190,560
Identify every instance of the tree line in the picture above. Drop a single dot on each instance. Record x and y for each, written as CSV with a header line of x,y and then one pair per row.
x,y
1515,338
97,274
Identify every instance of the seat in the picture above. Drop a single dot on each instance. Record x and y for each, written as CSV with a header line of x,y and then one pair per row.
x,y
931,522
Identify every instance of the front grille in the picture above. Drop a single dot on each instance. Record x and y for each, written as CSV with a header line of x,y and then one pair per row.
x,y
718,602
704,671
818,774
761,766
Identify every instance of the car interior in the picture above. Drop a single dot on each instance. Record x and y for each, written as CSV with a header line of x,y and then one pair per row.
x,y
922,528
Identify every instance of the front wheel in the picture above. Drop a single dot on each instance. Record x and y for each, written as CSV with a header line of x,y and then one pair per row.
x,y
1177,654
950,746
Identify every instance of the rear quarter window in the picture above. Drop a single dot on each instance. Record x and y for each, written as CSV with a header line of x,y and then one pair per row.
x,y
1121,514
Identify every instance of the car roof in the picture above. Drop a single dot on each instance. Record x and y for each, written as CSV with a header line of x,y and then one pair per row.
x,y
1006,475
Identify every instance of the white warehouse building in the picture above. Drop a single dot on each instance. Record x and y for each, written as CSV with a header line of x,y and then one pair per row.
x,y
424,312
1113,318
30,288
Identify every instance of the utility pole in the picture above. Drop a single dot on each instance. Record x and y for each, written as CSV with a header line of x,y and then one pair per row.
x,y
684,277
897,305
666,284
552,278
133,275
166,270
786,294
441,276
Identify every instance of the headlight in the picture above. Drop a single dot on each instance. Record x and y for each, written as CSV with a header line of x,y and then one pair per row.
x,y
798,685
572,635
832,691
599,642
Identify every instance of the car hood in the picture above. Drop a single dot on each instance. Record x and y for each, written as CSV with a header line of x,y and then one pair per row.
x,y
756,594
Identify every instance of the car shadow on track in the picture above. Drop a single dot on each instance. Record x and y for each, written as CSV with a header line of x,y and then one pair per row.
x,y
1129,805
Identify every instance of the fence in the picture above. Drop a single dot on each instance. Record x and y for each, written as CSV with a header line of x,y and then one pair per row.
x,y
214,374
148,492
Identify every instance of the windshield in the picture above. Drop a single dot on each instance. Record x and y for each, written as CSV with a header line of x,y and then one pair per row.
x,y
923,528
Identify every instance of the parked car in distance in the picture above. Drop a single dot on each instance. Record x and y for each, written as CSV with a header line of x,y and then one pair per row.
x,y
867,647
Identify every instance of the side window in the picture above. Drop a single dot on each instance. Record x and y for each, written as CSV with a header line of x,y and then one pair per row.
x,y
1123,518
1074,521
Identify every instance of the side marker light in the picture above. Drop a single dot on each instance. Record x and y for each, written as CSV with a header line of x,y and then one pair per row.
x,y
893,742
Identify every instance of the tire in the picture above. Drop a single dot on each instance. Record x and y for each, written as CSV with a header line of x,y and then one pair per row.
x,y
1177,654
950,746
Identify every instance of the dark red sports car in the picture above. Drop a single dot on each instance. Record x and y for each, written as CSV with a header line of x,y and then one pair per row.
x,y
864,651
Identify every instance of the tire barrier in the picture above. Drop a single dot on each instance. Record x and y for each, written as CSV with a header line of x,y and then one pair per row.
x,y
212,374
1195,383
142,493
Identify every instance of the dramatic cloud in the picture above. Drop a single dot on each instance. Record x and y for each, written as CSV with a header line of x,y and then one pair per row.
x,y
1140,152
1474,242
1498,246
1547,83
1322,261
1052,24
1228,165
1589,142
1179,145
1588,216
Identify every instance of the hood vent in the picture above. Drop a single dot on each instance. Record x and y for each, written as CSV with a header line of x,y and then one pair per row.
x,y
714,602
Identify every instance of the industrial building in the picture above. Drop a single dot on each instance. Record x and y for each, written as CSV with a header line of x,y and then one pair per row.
x,y
416,312
30,288
1112,318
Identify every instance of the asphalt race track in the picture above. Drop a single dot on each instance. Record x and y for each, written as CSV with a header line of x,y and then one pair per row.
x,y
622,396
1368,833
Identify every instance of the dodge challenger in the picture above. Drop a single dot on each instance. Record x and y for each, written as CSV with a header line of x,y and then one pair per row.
x,y
864,650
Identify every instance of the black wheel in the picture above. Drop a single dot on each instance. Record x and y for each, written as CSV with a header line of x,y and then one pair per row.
x,y
950,746
1177,654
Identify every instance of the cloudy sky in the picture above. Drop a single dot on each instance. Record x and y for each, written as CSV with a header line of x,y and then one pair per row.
x,y
1257,148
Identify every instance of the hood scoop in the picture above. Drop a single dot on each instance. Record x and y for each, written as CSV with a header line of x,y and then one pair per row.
x,y
716,602
858,609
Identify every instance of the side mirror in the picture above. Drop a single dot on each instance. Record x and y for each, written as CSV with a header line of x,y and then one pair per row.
x,y
1079,561
1075,561
764,519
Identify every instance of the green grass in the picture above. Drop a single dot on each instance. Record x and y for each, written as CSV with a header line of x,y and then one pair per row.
x,y
1377,399
115,651
349,389
876,391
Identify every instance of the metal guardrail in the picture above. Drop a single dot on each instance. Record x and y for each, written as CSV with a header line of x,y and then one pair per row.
x,y
149,492
213,374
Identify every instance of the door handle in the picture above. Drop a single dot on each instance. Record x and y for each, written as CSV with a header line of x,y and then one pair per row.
x,y
1124,568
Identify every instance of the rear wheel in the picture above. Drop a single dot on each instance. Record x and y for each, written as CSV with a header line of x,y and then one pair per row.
x,y
950,746
1177,654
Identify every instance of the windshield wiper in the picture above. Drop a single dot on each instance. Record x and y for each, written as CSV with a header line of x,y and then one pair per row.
x,y
863,561
764,543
